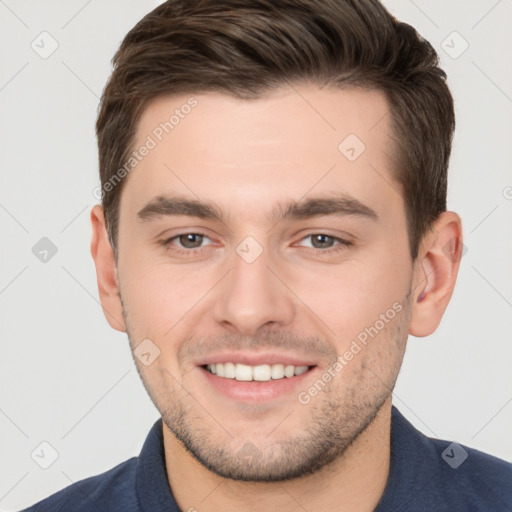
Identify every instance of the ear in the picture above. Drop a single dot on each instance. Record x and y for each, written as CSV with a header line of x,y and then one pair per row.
x,y
106,271
435,273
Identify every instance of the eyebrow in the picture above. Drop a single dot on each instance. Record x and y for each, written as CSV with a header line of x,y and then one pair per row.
x,y
334,204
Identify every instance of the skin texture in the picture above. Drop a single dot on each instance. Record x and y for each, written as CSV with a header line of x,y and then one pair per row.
x,y
295,298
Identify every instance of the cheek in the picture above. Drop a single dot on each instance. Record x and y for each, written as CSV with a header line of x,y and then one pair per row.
x,y
159,298
154,307
353,295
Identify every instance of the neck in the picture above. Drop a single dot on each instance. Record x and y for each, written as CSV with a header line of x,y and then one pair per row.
x,y
353,482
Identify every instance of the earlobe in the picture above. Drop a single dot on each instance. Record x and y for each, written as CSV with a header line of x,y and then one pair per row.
x,y
436,273
106,271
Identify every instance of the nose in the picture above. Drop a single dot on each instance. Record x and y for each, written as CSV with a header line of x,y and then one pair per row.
x,y
253,298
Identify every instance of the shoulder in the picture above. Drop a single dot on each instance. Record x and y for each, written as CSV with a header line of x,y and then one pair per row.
x,y
108,491
435,474
475,479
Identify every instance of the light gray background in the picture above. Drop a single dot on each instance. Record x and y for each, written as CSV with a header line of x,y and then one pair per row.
x,y
68,379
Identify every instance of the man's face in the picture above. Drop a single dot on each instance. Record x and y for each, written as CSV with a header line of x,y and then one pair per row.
x,y
265,278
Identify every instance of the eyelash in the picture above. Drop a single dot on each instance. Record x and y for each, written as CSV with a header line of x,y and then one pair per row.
x,y
342,244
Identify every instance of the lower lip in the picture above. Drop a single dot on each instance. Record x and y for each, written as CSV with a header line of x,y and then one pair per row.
x,y
256,391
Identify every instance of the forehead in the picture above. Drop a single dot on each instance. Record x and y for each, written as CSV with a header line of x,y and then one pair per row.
x,y
250,154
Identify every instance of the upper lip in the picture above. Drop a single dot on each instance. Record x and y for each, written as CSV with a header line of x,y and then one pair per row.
x,y
252,359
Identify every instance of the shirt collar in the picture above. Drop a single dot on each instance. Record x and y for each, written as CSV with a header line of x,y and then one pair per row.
x,y
152,484
411,452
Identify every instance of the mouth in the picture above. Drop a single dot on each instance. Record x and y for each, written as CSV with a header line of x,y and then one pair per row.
x,y
260,373
256,379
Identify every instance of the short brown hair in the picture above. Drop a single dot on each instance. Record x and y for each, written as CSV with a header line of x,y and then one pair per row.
x,y
248,47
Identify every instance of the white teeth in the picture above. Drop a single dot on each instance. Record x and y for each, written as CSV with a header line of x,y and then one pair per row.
x,y
299,370
277,371
229,370
243,372
289,371
262,372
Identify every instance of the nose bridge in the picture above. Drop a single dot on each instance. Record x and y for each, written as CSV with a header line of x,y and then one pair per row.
x,y
251,295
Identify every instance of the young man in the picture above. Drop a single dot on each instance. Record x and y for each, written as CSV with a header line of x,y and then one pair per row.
x,y
273,226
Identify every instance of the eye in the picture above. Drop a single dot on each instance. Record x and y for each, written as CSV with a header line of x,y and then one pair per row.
x,y
323,241
186,240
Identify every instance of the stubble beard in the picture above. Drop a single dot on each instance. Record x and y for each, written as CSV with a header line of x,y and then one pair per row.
x,y
335,421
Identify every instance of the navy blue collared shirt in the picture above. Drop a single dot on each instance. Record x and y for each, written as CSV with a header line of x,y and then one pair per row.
x,y
426,475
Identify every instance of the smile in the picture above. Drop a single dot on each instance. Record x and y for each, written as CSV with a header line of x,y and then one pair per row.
x,y
261,372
